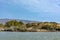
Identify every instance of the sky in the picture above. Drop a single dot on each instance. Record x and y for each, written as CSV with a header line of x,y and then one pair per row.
x,y
36,10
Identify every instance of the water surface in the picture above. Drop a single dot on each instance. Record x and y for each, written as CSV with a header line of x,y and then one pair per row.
x,y
29,35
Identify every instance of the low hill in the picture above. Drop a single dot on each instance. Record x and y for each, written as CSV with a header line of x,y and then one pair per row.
x,y
3,21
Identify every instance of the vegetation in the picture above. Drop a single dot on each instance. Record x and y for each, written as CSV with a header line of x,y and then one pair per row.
x,y
19,26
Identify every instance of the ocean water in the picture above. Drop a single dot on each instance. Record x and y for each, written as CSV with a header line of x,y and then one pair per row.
x,y
29,35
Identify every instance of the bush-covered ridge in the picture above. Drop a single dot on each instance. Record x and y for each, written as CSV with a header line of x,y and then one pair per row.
x,y
18,26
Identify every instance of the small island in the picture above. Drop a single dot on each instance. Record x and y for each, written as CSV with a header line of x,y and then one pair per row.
x,y
19,26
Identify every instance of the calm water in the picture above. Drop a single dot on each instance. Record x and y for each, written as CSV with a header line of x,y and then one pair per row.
x,y
29,35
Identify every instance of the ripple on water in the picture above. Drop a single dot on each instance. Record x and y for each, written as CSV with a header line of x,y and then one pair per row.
x,y
30,36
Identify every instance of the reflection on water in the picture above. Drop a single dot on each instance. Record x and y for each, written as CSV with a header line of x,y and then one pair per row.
x,y
29,36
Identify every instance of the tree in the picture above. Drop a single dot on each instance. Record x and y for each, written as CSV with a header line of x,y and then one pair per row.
x,y
13,23
21,23
1,25
28,25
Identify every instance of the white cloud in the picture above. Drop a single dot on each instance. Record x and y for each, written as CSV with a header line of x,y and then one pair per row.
x,y
51,6
40,5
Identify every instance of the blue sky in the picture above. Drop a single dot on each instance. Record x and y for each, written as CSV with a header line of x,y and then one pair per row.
x,y
37,10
